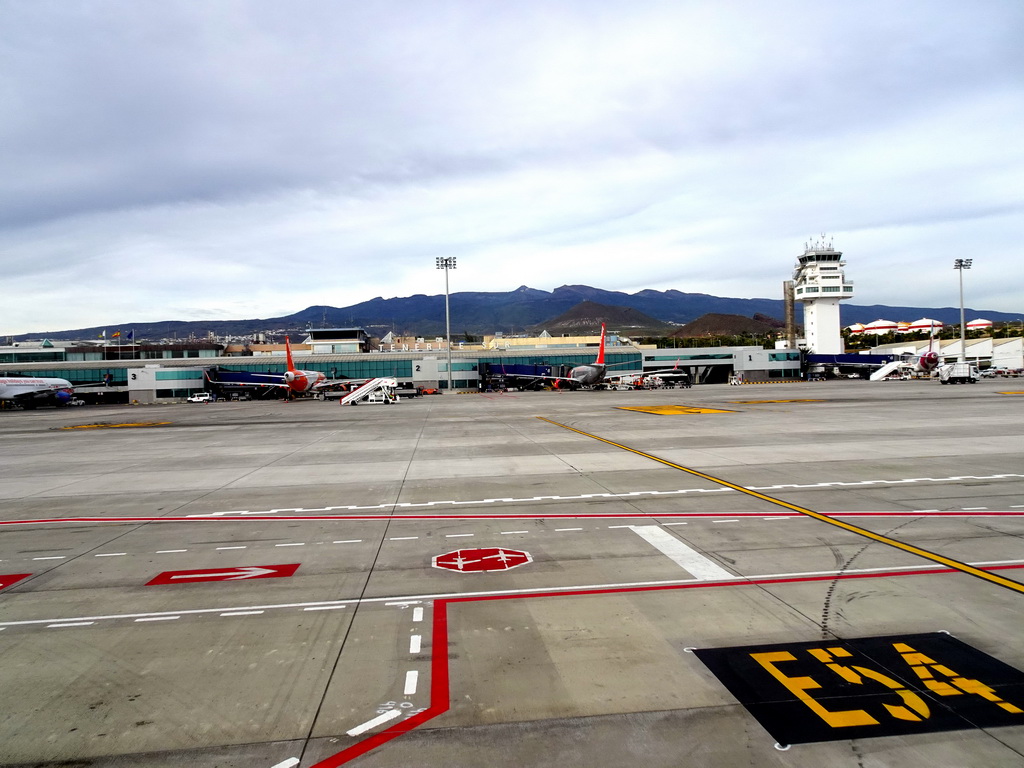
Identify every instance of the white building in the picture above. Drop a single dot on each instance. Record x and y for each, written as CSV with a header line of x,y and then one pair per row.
x,y
819,282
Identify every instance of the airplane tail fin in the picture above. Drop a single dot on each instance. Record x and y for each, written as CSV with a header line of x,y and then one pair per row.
x,y
288,353
600,351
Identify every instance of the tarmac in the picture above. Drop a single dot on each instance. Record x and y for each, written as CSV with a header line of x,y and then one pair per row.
x,y
796,575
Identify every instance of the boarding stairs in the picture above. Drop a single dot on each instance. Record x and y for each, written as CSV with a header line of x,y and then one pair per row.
x,y
384,385
886,369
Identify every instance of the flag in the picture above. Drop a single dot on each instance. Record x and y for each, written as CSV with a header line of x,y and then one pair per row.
x,y
131,335
102,335
115,334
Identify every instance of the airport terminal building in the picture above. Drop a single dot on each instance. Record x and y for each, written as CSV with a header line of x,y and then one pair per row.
x,y
168,373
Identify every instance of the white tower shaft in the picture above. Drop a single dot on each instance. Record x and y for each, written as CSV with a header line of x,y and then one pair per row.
x,y
820,284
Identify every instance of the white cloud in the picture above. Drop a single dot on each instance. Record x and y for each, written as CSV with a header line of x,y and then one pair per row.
x,y
168,160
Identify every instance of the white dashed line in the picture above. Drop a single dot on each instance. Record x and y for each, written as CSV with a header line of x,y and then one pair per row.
x,y
242,613
379,720
169,551
630,526
219,548
158,618
296,544
58,557
507,533
417,614
403,538
775,518
71,624
414,644
324,608
733,520
112,554
625,526
458,535
974,509
348,541
567,529
411,681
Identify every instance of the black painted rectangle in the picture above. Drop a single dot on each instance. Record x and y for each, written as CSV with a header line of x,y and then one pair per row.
x,y
873,686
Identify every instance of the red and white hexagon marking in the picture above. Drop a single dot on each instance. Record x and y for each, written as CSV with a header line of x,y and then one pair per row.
x,y
487,559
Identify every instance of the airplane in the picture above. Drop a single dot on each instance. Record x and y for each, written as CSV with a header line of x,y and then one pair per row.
x,y
30,392
294,380
588,375
928,361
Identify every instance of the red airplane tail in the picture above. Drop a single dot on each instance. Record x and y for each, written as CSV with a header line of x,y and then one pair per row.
x,y
288,354
600,351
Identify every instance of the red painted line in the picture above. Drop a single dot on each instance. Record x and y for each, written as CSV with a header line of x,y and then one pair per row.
x,y
439,697
538,516
440,685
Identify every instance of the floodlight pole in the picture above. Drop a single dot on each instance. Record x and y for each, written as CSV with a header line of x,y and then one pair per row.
x,y
446,263
960,265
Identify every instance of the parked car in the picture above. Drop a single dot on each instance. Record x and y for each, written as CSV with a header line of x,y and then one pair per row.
x,y
200,397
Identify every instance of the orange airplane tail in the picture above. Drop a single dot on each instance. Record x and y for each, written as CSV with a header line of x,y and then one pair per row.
x,y
600,351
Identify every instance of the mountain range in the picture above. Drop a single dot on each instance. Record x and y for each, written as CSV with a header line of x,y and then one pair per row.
x,y
522,310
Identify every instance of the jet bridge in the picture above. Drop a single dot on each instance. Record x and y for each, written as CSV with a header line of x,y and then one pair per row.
x,y
380,390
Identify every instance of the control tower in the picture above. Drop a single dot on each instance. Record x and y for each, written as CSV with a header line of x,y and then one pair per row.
x,y
820,284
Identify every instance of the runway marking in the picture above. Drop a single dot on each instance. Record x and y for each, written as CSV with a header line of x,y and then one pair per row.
x,y
264,515
440,692
509,533
411,681
169,551
777,401
71,624
111,554
323,608
673,410
118,426
1010,393
371,724
348,541
403,538
578,589
559,530
241,613
926,554
291,762
690,560
55,557
458,535
414,644
299,544
220,548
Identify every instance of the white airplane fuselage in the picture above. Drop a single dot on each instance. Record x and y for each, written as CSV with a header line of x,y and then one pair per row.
x,y
34,390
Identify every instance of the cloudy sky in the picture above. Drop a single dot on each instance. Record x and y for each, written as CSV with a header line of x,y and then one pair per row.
x,y
241,158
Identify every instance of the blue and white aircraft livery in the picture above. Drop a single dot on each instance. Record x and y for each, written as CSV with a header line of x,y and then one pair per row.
x,y
29,392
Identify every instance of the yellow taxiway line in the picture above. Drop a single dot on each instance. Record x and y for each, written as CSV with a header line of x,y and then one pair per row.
x,y
933,556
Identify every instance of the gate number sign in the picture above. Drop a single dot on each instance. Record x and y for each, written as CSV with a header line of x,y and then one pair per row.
x,y
873,686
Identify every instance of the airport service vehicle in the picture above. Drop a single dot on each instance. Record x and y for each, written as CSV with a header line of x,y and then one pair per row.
x,y
200,397
958,373
30,391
